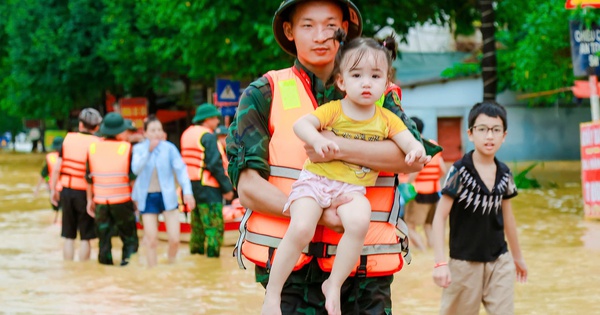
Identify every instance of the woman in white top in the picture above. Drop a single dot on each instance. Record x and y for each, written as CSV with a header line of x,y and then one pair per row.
x,y
155,160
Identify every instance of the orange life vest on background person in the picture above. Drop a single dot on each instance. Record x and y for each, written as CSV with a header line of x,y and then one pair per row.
x,y
192,152
260,234
428,179
223,157
109,163
51,159
74,156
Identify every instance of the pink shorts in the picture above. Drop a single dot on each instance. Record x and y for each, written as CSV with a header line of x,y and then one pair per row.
x,y
322,189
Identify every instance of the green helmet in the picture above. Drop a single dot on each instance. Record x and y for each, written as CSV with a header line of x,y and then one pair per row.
x,y
351,14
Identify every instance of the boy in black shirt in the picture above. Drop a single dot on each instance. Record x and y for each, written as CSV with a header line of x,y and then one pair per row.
x,y
477,196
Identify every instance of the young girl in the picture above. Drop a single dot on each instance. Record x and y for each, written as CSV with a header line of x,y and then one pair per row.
x,y
362,70
155,160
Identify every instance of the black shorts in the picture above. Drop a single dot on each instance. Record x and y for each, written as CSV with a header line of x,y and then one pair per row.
x,y
74,215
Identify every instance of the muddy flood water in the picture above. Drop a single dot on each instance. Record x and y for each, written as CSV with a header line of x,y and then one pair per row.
x,y
561,249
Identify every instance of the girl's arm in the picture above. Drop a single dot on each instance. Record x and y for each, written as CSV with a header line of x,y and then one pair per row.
x,y
413,149
180,169
139,158
510,229
307,129
378,155
441,272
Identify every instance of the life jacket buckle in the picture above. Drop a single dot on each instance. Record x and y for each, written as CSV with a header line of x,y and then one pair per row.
x,y
361,270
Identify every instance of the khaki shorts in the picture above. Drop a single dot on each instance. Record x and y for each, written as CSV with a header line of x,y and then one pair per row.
x,y
474,283
419,213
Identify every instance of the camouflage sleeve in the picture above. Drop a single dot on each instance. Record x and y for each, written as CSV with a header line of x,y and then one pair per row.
x,y
248,138
45,173
213,162
392,102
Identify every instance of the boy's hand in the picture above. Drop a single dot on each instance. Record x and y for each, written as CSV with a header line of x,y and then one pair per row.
x,y
441,276
521,269
417,155
325,146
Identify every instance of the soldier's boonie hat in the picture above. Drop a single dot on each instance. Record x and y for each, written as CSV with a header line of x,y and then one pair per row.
x,y
351,14
204,112
90,116
221,131
57,142
130,125
113,125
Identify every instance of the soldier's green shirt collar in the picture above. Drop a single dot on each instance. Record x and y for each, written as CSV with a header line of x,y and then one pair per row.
x,y
322,91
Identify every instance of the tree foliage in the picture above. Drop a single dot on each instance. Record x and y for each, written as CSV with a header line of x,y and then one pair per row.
x,y
533,46
56,55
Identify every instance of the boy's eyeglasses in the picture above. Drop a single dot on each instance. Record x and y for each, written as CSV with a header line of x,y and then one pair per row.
x,y
483,130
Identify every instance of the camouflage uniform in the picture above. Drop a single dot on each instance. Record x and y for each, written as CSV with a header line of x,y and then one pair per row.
x,y
112,220
46,175
207,217
247,147
119,217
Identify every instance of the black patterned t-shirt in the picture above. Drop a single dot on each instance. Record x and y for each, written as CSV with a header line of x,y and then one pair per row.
x,y
476,221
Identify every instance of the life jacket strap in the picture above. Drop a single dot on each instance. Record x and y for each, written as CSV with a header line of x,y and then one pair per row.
x,y
361,270
285,172
323,250
237,250
403,229
270,259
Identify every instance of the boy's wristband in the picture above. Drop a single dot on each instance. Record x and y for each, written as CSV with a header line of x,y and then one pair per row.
x,y
441,263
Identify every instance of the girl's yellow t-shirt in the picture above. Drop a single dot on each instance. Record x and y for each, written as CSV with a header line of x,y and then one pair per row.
x,y
383,125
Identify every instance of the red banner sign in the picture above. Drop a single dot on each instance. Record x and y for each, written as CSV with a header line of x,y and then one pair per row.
x,y
590,169
135,108
573,4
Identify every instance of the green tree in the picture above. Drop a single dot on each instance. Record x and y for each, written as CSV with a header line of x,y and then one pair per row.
x,y
533,48
52,57
56,55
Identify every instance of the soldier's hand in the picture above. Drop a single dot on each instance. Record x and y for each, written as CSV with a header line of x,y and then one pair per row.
x,y
330,218
228,196
54,197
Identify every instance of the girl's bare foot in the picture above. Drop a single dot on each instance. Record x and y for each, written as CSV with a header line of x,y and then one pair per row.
x,y
271,305
332,298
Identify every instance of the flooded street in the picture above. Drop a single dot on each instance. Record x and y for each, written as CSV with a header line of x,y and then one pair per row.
x,y
562,252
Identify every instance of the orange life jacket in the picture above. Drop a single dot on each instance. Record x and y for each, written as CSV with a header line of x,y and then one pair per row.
x,y
260,234
192,152
223,157
74,155
109,162
51,159
428,179
391,88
